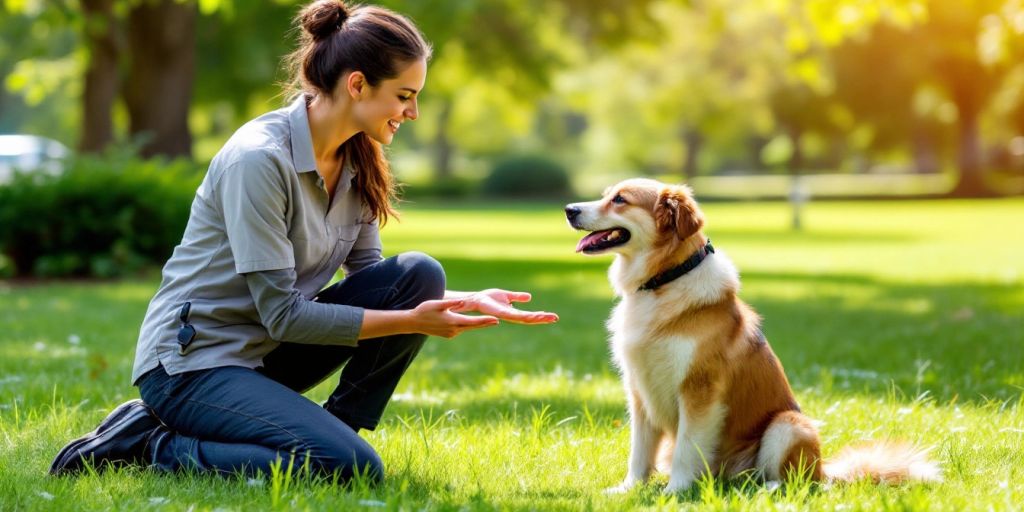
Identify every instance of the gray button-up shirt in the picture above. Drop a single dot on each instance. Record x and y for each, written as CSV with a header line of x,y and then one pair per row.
x,y
262,239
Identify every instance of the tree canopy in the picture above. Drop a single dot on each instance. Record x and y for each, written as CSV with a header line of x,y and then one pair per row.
x,y
659,86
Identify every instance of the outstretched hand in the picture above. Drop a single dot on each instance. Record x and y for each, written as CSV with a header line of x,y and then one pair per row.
x,y
499,304
441,318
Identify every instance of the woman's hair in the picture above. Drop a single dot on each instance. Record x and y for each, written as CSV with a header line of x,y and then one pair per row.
x,y
335,40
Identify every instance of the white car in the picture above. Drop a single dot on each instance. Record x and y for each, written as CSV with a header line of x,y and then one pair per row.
x,y
30,153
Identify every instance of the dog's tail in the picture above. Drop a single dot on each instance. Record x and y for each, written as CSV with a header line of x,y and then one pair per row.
x,y
882,462
791,444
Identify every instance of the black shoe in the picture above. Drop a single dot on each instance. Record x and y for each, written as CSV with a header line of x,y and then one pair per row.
x,y
120,438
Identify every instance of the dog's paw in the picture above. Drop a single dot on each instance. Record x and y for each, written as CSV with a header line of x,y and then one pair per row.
x,y
622,488
676,487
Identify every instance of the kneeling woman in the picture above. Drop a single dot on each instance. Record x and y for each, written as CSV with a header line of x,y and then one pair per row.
x,y
242,324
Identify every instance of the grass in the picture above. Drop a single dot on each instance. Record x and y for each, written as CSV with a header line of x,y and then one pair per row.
x,y
895,320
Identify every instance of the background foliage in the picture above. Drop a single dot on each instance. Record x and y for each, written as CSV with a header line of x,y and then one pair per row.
x,y
528,176
674,88
103,216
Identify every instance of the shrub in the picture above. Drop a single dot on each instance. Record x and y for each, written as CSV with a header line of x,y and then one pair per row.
x,y
447,188
103,216
528,176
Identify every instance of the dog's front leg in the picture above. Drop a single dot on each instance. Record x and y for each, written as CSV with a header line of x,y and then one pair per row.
x,y
643,445
696,446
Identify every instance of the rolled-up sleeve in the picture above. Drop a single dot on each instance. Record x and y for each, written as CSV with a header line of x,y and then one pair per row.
x,y
291,318
253,199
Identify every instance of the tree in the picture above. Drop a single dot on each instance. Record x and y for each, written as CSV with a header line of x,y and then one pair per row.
x,y
950,47
140,50
512,45
102,81
952,33
902,112
158,87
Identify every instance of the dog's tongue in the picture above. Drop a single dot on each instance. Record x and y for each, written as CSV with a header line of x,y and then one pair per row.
x,y
591,239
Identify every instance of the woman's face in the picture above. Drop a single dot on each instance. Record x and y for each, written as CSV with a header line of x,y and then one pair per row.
x,y
384,108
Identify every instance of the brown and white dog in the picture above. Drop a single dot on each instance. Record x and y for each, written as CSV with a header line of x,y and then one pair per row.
x,y
700,378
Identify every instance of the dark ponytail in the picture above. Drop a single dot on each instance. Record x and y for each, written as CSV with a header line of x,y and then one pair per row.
x,y
375,41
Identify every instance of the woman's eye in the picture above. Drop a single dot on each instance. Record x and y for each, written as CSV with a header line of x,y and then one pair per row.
x,y
405,98
618,199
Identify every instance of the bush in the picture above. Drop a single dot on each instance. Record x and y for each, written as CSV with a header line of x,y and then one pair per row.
x,y
447,188
103,216
528,176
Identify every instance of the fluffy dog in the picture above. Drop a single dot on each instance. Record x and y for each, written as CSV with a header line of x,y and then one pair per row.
x,y
700,377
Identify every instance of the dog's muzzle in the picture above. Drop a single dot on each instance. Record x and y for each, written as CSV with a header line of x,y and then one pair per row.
x,y
571,214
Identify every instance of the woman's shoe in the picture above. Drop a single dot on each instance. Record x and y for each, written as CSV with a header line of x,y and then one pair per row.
x,y
121,438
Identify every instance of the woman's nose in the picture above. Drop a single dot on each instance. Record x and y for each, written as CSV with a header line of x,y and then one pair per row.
x,y
413,112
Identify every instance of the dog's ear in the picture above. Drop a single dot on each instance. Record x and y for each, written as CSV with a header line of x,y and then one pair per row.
x,y
676,211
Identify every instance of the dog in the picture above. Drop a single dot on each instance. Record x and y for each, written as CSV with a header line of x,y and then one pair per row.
x,y
701,381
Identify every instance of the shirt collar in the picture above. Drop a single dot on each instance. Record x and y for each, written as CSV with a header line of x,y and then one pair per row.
x,y
302,140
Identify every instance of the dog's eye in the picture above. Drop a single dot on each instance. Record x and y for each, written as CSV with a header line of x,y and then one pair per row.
x,y
618,199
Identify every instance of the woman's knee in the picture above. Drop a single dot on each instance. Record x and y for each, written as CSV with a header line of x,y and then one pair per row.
x,y
426,272
359,461
369,466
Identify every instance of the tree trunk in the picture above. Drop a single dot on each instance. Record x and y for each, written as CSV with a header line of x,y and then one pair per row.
x,y
926,160
443,143
755,145
970,84
101,75
161,36
969,157
692,141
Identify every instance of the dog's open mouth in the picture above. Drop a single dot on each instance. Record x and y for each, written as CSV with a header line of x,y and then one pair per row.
x,y
601,240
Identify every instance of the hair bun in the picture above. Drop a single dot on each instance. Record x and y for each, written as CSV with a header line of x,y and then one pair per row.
x,y
323,18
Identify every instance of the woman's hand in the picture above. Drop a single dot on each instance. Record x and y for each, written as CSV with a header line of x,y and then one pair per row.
x,y
439,318
499,304
442,317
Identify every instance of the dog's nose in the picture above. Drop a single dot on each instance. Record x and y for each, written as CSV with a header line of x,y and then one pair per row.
x,y
571,212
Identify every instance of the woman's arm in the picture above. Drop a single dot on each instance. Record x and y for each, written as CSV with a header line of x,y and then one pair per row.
x,y
289,317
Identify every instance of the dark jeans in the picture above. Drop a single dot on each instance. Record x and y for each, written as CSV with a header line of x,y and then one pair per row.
x,y
233,419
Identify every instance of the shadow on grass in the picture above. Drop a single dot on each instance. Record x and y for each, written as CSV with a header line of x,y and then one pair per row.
x,y
557,411
852,332
860,333
708,491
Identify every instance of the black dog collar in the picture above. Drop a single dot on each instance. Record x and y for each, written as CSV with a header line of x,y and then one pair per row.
x,y
679,270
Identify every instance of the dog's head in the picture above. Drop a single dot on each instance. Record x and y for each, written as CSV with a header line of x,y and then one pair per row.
x,y
636,215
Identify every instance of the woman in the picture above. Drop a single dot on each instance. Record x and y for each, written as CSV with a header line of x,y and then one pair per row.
x,y
241,326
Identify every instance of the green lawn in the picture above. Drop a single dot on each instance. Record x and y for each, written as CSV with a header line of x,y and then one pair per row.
x,y
900,320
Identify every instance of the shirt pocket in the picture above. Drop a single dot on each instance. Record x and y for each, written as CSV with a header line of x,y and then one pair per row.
x,y
343,238
347,236
323,256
